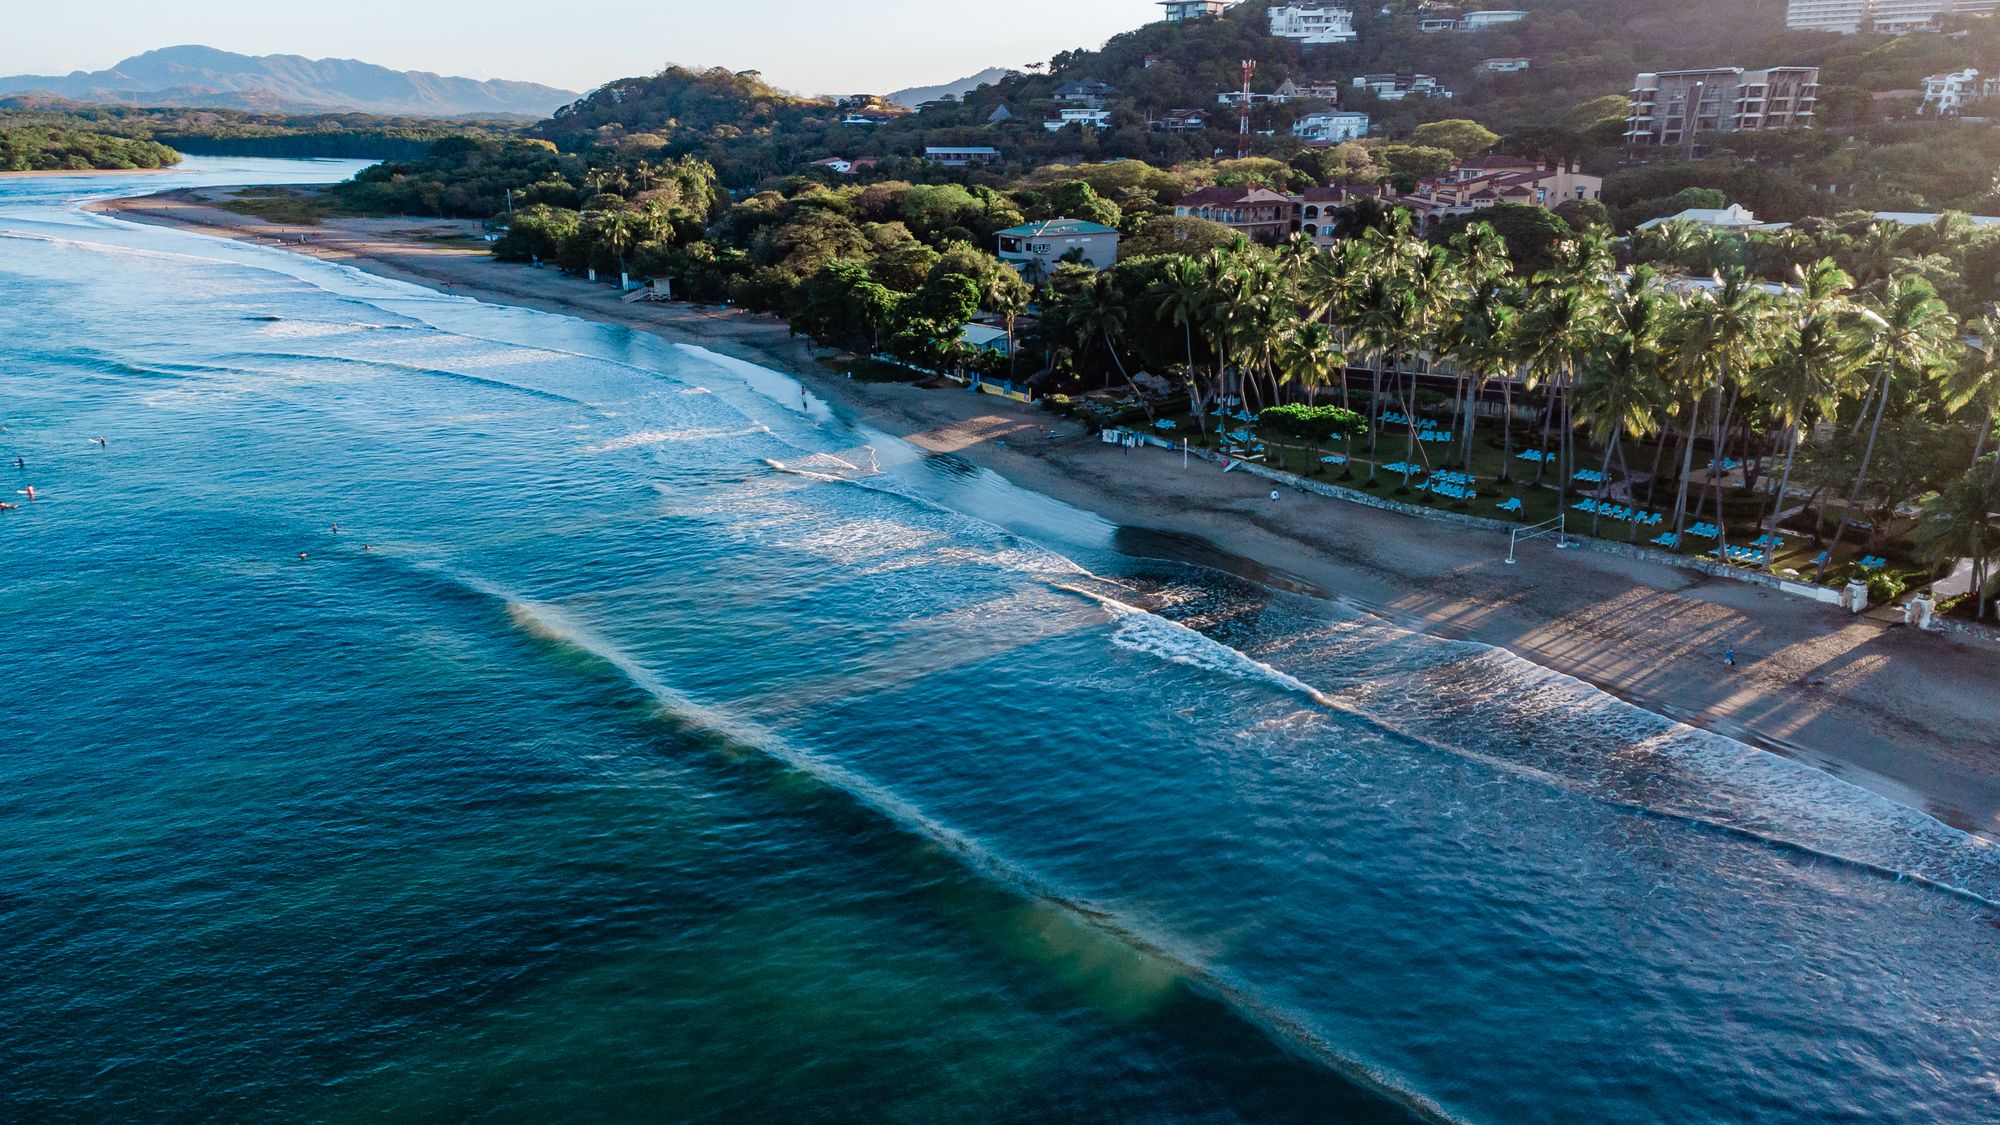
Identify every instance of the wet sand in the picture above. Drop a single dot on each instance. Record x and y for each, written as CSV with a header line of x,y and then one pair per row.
x,y
1911,715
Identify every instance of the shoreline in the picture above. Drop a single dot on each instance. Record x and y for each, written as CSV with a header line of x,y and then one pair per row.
x,y
1883,706
54,173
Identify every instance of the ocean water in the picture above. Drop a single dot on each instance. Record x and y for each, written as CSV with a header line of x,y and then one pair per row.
x,y
633,751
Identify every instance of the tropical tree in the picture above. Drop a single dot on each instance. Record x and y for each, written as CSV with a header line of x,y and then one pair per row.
x,y
1184,292
1097,312
1564,324
1976,382
1818,359
1959,523
1912,342
1725,333
1620,386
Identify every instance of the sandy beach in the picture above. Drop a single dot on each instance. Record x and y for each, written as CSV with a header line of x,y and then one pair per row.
x,y
1911,715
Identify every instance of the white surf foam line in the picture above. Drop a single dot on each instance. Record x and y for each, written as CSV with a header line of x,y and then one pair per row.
x,y
674,437
1141,630
552,625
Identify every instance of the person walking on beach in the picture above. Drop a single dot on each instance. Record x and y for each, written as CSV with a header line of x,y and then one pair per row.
x,y
1729,656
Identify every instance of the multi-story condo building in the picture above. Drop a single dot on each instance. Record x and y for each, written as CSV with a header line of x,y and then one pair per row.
x,y
1336,126
1890,17
1261,213
1948,95
1674,107
1313,23
1181,11
1396,87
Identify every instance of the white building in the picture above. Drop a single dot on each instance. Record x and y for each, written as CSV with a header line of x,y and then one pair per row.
x,y
1087,118
1733,217
1048,244
1480,21
1313,23
954,156
1396,87
1888,17
1334,126
1181,11
1504,66
1948,95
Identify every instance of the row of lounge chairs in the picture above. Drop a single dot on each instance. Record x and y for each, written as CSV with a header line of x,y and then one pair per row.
x,y
1620,512
1589,476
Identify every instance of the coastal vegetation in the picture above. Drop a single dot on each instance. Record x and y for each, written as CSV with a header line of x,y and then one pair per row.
x,y
1793,394
221,132
28,148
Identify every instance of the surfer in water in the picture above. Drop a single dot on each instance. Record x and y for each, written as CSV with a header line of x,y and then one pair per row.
x,y
19,463
101,444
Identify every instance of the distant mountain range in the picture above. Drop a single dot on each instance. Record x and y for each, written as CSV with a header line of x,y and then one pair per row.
x,y
918,95
208,78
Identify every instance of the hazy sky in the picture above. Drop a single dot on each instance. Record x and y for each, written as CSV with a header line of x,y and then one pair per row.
x,y
811,46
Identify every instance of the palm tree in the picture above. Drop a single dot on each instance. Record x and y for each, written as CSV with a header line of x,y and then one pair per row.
x,y
1728,335
1386,323
1958,523
1484,344
617,231
1820,356
1184,292
1912,341
1976,383
1565,324
1620,387
1099,312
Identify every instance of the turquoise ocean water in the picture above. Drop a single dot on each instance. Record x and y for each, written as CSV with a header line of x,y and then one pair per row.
x,y
654,762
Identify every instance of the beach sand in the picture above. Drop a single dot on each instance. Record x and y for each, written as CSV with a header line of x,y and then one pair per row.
x,y
1911,715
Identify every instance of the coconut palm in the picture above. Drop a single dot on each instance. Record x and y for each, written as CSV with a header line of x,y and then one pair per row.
x,y
1620,385
1386,323
1913,341
1819,358
1725,335
1958,523
1976,382
1184,293
1469,325
1098,313
1564,324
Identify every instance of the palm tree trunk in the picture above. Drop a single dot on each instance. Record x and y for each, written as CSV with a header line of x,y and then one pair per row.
x,y
1374,409
1861,478
1507,429
1471,418
1625,471
1659,454
1717,473
1784,484
1687,468
1985,432
1609,448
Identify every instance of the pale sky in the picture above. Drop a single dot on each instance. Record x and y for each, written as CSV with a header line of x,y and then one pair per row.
x,y
810,46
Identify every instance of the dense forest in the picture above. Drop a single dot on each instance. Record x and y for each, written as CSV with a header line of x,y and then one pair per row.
x,y
217,132
27,148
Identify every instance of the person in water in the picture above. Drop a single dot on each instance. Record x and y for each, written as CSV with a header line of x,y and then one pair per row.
x,y
19,463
